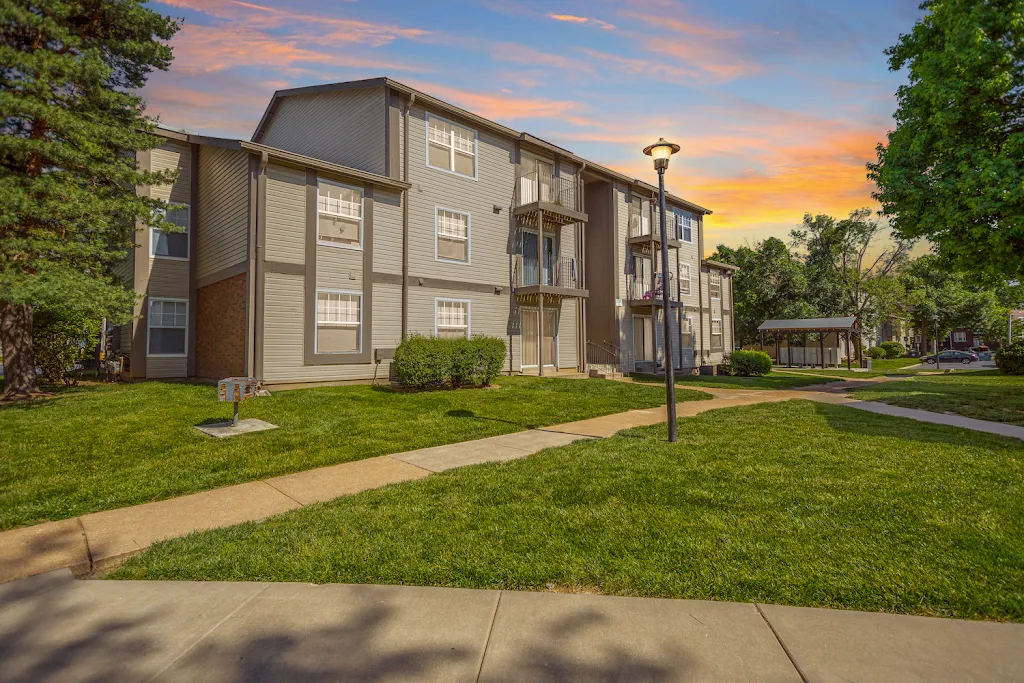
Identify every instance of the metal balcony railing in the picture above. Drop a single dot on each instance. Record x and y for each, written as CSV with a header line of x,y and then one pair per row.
x,y
639,287
538,186
563,272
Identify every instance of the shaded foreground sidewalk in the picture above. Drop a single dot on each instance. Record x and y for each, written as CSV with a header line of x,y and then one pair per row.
x,y
102,540
54,628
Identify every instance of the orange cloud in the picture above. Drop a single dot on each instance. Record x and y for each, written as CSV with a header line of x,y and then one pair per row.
x,y
688,27
573,19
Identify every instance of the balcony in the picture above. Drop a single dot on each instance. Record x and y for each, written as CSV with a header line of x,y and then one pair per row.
x,y
559,279
642,295
645,236
560,199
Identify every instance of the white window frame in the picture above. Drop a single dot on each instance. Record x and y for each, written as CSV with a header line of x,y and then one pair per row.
x,y
689,321
721,332
437,235
688,279
362,215
681,218
187,232
451,148
149,326
959,337
712,276
469,313
316,339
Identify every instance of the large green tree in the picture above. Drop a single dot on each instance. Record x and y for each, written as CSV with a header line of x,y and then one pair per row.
x,y
71,123
953,169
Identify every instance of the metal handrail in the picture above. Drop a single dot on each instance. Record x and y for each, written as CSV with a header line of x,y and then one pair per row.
x,y
602,355
565,272
537,186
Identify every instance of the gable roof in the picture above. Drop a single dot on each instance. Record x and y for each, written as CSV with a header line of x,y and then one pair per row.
x,y
469,116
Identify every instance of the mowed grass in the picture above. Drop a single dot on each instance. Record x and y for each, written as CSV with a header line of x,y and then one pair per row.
x,y
879,368
770,381
107,446
793,503
984,395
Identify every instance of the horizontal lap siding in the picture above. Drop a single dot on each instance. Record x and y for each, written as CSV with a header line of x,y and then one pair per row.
x,y
625,318
223,209
489,313
567,334
387,232
286,214
166,368
169,156
339,268
387,315
168,278
489,232
344,127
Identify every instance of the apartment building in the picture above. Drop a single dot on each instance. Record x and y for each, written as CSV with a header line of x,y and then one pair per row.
x,y
362,212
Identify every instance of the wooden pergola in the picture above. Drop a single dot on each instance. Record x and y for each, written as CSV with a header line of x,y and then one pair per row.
x,y
822,326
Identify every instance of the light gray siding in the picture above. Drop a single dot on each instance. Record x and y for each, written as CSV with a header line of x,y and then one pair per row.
x,y
489,313
387,231
339,268
344,127
286,214
223,209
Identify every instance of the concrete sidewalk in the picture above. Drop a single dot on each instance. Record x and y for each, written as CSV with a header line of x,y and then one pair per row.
x,y
98,541
53,628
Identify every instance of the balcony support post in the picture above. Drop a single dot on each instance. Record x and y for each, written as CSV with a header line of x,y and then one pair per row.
x,y
540,294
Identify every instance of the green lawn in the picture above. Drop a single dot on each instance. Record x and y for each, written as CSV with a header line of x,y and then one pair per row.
x,y
772,381
879,368
107,446
985,395
794,503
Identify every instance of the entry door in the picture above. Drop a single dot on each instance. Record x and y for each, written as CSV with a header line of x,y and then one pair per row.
x,y
643,338
533,270
529,329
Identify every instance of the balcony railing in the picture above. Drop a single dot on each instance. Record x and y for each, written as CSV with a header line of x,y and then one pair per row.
x,y
538,186
564,272
639,286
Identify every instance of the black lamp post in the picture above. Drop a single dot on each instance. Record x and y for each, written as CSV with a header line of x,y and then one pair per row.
x,y
660,151
935,319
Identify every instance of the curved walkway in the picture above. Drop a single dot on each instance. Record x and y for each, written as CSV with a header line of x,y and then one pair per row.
x,y
98,541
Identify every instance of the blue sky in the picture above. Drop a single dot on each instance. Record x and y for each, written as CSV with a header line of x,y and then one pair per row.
x,y
777,105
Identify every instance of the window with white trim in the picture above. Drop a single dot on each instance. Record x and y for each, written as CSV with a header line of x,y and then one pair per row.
x,y
168,328
715,285
716,333
686,327
452,234
960,337
339,215
338,322
171,245
451,318
451,147
685,222
684,278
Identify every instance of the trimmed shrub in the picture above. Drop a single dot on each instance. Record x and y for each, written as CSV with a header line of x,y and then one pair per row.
x,y
425,361
61,340
1010,359
893,349
876,352
748,363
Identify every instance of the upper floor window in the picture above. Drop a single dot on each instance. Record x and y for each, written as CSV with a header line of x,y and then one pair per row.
x,y
451,147
452,235
684,278
685,223
451,318
715,285
338,322
339,215
171,245
168,327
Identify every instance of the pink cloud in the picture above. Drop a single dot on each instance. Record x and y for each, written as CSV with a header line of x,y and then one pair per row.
x,y
584,21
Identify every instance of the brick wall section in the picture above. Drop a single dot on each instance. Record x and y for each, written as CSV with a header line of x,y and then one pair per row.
x,y
220,329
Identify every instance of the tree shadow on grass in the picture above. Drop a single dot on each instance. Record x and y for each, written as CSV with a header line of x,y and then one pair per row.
x,y
472,415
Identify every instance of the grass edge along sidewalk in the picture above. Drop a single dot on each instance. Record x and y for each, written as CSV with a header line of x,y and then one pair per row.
x,y
886,515
110,446
981,395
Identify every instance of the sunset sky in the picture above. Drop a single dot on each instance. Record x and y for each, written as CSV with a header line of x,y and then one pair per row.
x,y
777,104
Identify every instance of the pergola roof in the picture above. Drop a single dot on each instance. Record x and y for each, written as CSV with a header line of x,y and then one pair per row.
x,y
809,325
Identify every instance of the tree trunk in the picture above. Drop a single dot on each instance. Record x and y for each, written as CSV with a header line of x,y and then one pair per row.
x,y
16,346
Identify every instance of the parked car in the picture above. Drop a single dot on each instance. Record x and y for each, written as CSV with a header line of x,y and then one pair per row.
x,y
964,357
983,352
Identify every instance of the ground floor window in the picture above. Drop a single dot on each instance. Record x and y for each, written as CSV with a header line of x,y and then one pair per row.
x,y
338,322
960,337
716,333
686,338
451,319
643,338
168,327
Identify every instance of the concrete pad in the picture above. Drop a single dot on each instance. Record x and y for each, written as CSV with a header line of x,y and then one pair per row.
x,y
222,430
13,591
441,458
327,483
111,631
299,632
835,645
557,637
42,548
126,531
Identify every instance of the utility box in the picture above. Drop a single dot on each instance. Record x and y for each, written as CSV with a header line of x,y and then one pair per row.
x,y
236,390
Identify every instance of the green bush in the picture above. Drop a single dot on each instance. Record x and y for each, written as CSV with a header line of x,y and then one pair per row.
x,y
1010,359
748,363
893,349
425,361
876,352
60,340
